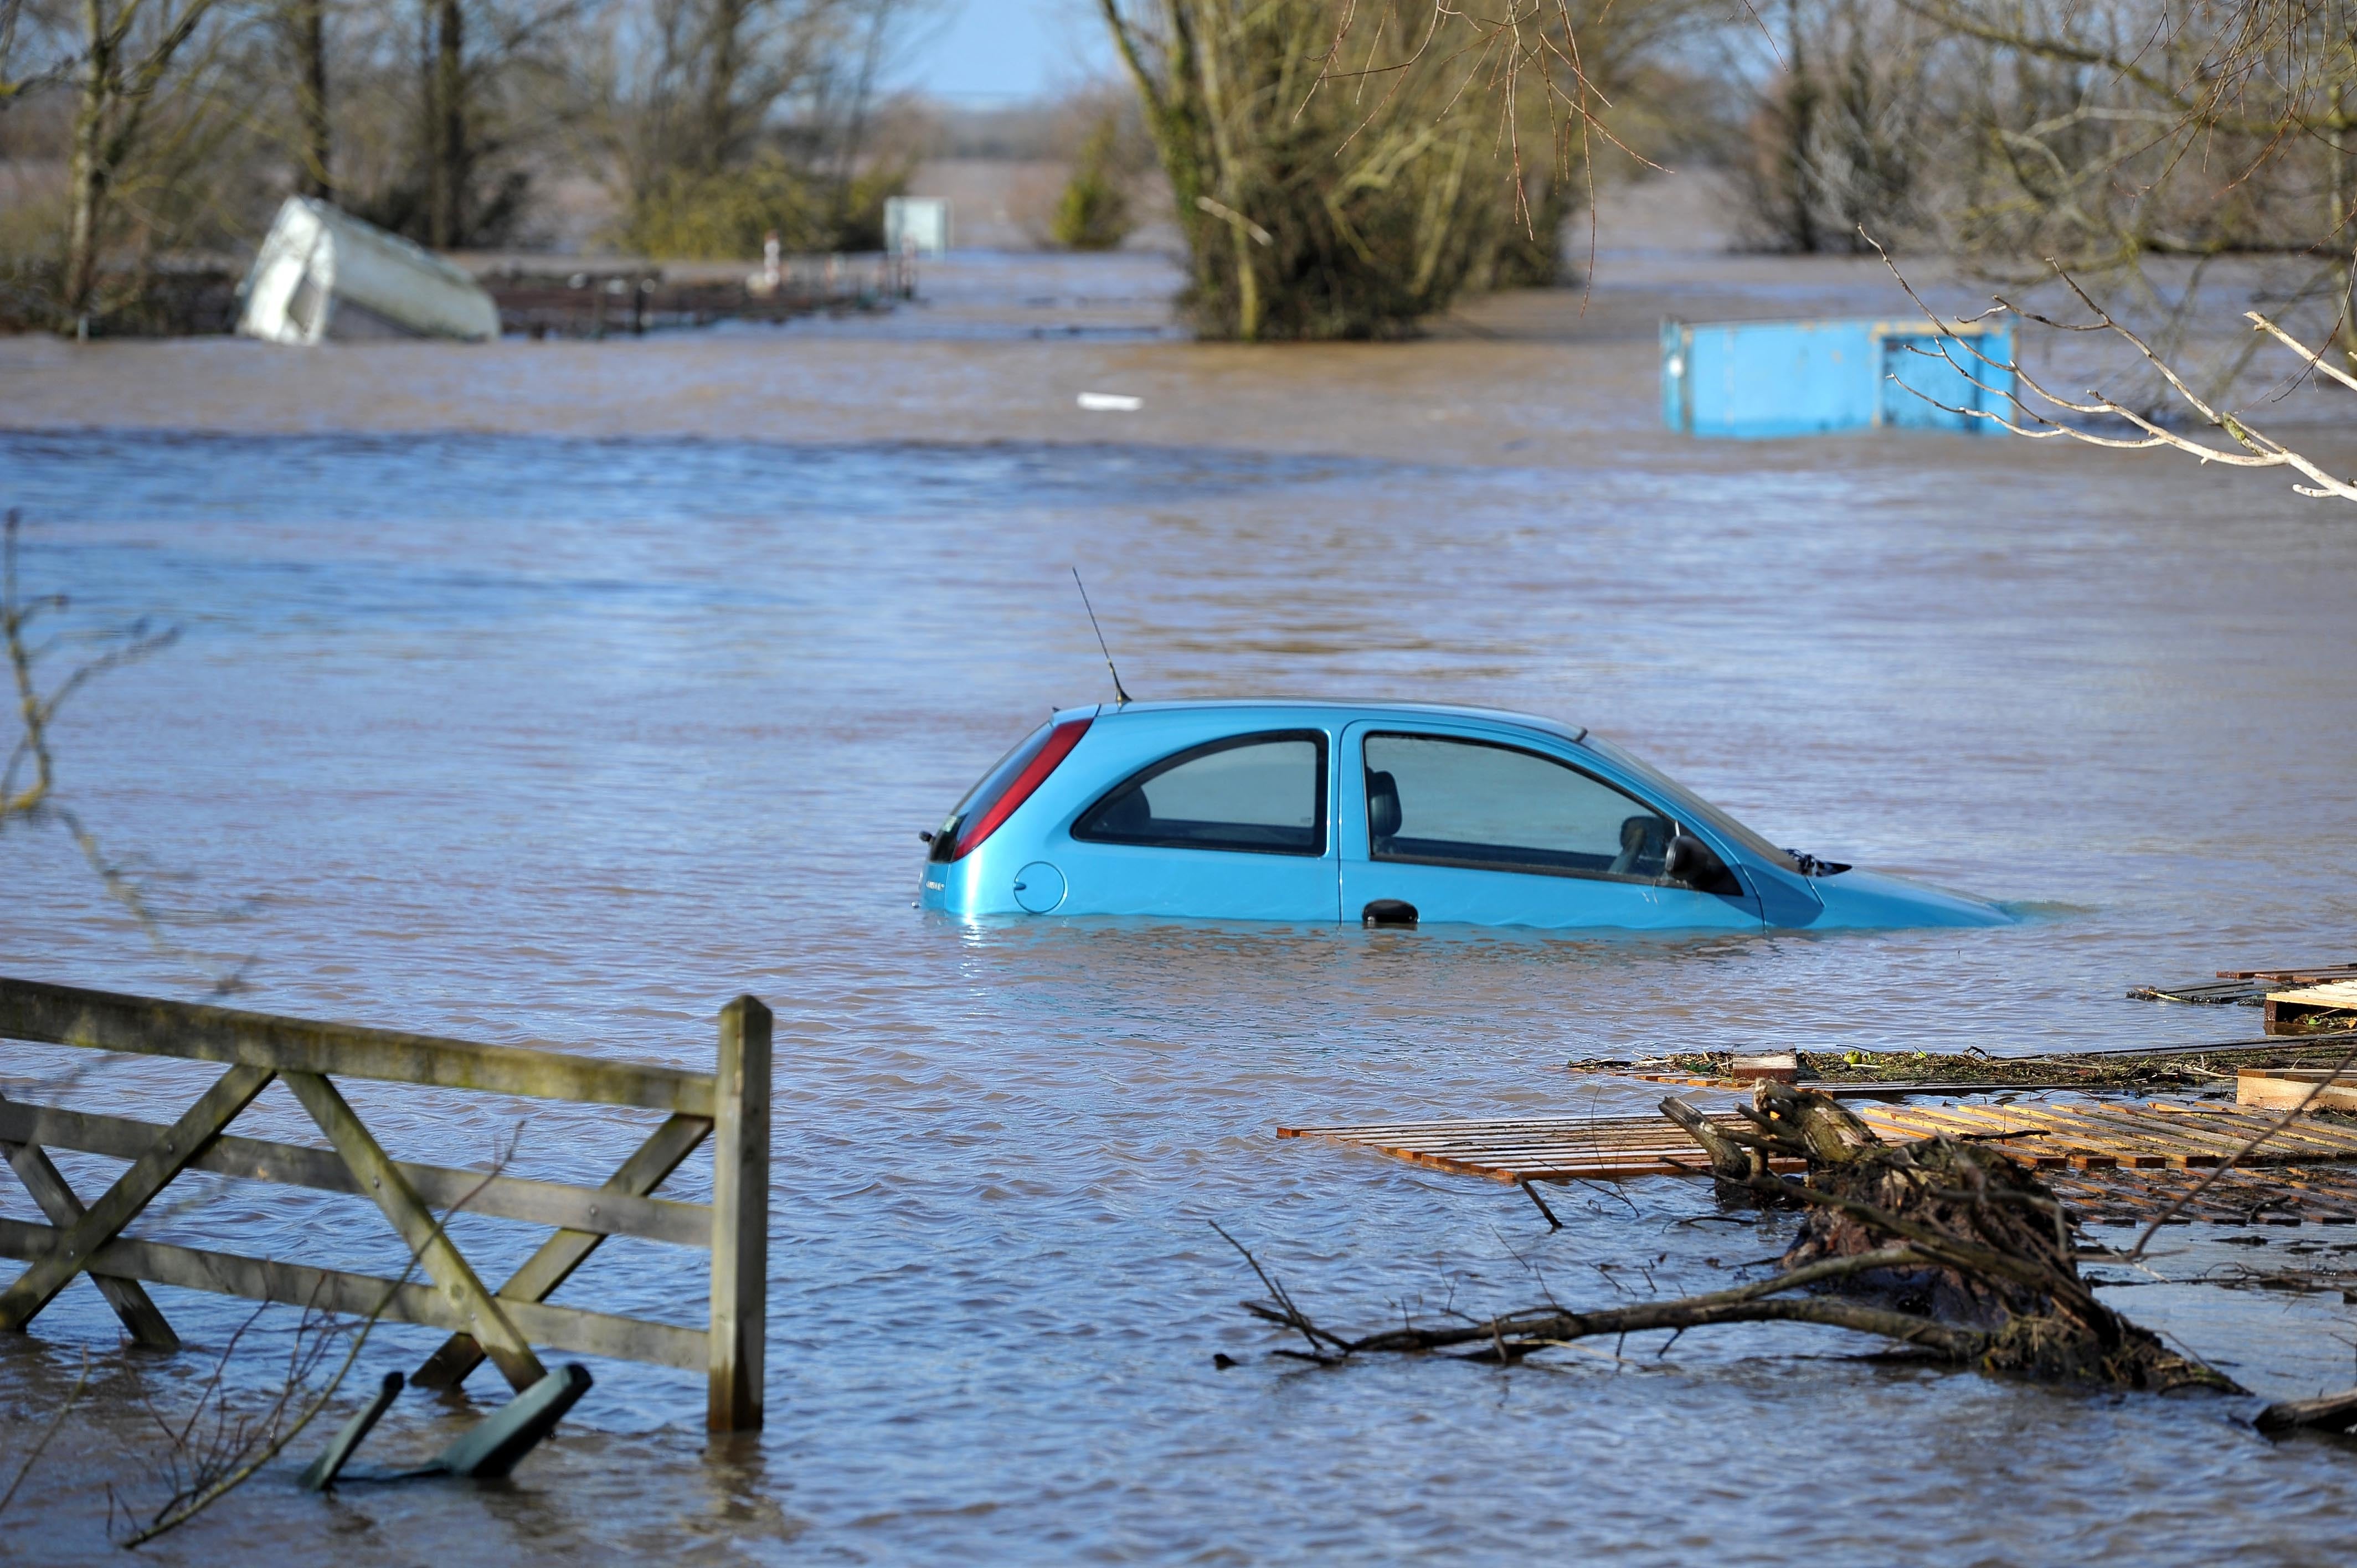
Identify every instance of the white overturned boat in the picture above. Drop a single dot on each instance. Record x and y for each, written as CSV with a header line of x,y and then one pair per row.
x,y
323,273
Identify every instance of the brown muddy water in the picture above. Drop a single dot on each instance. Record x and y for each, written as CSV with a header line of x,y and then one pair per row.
x,y
558,693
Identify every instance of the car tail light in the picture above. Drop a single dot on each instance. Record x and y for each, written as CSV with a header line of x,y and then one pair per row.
x,y
1008,785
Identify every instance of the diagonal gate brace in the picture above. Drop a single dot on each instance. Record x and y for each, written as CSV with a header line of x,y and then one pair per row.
x,y
428,1242
566,1251
133,1191
49,1189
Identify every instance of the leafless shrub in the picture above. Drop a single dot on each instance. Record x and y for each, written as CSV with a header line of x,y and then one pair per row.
x,y
220,1442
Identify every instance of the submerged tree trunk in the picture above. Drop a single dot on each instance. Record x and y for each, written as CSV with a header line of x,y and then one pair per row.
x,y
120,84
309,26
89,173
445,185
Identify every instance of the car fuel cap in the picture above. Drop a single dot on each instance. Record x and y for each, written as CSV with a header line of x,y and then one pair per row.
x,y
1038,887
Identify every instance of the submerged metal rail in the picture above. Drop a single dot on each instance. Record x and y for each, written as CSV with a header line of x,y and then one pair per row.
x,y
729,1105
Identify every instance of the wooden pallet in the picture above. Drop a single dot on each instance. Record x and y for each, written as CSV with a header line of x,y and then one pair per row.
x,y
2276,1194
2307,1007
2081,1135
1567,1148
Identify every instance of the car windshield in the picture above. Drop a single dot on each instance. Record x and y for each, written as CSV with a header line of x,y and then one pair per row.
x,y
1684,802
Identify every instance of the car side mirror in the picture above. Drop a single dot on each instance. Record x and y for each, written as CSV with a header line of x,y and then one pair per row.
x,y
1694,863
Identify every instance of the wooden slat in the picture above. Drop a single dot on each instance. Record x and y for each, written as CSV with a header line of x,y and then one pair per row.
x,y
101,1020
2304,1137
132,1192
2336,995
606,1211
329,1290
566,1251
56,1199
2085,1141
429,1242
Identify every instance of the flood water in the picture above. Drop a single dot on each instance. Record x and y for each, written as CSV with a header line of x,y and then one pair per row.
x,y
559,693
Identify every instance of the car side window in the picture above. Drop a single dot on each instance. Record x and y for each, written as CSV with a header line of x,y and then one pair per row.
x,y
1261,793
1445,801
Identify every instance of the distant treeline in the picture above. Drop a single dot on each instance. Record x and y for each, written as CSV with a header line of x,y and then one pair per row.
x,y
1340,167
691,127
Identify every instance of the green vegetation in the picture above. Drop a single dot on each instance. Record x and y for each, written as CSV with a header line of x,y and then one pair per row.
x,y
729,212
1094,212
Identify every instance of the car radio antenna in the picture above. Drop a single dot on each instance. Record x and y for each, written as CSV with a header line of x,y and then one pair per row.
x,y
1121,698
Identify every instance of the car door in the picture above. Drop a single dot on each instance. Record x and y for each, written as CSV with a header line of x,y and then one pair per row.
x,y
1240,827
1468,825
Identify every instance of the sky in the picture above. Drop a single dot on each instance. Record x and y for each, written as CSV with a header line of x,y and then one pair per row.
x,y
995,51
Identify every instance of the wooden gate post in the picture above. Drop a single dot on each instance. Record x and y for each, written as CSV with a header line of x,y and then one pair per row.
x,y
740,1216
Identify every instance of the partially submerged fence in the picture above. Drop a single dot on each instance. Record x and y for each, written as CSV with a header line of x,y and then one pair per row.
x,y
729,1105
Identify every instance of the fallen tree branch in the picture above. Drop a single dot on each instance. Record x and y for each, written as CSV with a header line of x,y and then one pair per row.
x,y
1950,1248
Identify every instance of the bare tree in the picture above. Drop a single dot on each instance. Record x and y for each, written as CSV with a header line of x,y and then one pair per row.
x,y
305,24
1342,170
2024,405
132,51
726,119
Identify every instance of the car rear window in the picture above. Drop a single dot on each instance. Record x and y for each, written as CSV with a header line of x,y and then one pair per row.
x,y
971,821
1262,794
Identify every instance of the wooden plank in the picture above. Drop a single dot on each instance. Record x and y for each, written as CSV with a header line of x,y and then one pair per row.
x,y
2334,996
101,1020
2282,1090
56,1199
428,1242
606,1211
740,1217
567,1249
358,1295
132,1192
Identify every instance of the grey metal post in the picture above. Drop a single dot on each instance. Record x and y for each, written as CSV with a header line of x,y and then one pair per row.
x,y
740,1216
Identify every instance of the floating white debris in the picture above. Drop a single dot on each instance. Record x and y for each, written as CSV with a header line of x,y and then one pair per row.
x,y
322,273
1111,403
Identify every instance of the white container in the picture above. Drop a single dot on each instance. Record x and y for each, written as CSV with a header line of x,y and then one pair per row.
x,y
916,225
323,273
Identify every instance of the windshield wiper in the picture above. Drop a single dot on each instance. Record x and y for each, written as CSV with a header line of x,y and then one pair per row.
x,y
1809,866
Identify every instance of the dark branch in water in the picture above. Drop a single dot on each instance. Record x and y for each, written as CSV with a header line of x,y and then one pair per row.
x,y
38,801
1947,1246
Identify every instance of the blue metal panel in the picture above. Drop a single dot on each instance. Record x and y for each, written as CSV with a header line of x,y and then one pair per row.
x,y
1927,378
1808,378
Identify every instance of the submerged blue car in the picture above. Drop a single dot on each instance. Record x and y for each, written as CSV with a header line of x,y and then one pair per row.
x,y
1388,813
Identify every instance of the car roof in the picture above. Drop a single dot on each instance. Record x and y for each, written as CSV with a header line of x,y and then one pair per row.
x,y
1421,709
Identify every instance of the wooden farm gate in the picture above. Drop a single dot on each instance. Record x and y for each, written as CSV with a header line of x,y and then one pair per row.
x,y
729,1105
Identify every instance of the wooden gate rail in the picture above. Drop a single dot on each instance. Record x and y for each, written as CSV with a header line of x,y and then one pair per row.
x,y
730,1105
